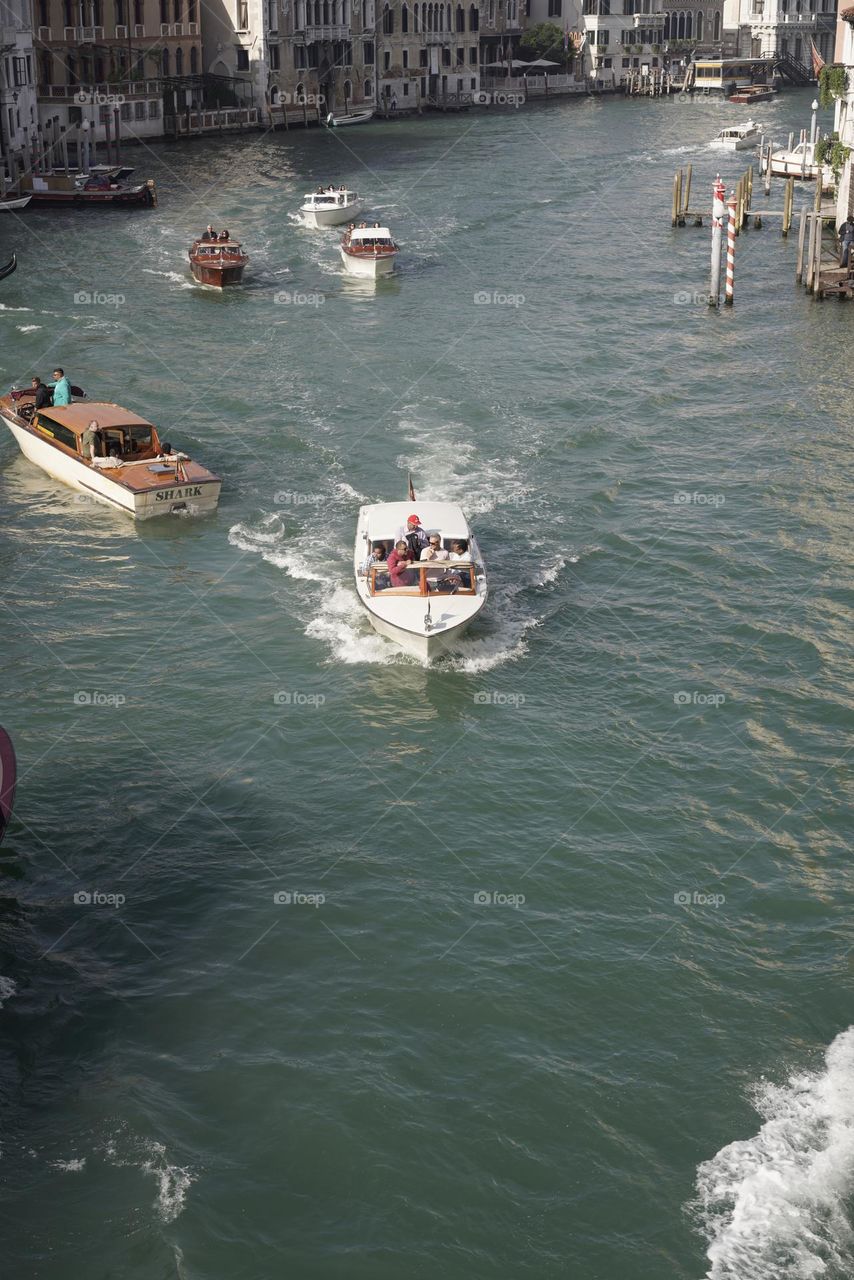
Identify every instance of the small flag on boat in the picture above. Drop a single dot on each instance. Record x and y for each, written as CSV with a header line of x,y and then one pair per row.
x,y
817,59
412,497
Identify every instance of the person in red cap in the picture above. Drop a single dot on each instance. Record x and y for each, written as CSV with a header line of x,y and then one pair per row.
x,y
416,537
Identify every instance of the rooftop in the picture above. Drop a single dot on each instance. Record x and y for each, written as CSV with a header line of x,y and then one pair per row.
x,y
78,416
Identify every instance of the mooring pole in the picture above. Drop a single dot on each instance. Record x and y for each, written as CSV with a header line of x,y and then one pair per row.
x,y
718,194
677,198
730,252
687,196
802,229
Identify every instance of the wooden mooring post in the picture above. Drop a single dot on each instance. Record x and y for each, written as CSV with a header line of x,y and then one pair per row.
x,y
677,199
802,230
788,202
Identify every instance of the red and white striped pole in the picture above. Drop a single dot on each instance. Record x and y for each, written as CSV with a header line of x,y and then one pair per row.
x,y
718,211
730,252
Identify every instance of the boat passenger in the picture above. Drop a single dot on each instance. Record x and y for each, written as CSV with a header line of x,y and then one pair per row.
x,y
92,442
459,550
398,566
224,235
416,537
42,394
61,388
209,233
378,554
435,550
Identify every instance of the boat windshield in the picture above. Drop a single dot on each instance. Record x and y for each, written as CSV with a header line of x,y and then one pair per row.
x,y
445,578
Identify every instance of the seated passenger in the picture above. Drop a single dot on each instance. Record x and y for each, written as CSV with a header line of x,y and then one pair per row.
x,y
223,235
378,554
435,550
459,550
399,563
209,233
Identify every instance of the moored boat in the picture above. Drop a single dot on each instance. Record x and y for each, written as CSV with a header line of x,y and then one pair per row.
x,y
9,204
335,120
330,206
432,603
102,185
9,267
217,262
368,251
132,470
738,137
753,93
798,163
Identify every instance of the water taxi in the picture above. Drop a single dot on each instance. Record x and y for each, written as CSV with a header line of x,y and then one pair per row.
x,y
330,207
102,185
753,93
368,251
361,115
797,163
434,601
217,262
738,137
132,470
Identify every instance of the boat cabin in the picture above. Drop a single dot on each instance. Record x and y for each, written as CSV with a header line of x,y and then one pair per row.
x,y
215,250
336,199
386,525
123,436
369,240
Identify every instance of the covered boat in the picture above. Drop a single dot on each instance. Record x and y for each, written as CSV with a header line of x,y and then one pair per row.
x,y
217,262
330,207
368,251
797,163
428,612
738,137
102,185
132,470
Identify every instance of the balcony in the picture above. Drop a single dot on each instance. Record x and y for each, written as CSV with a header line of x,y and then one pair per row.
x,y
330,31
649,19
82,35
125,89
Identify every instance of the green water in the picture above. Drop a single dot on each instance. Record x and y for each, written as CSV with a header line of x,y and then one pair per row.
x,y
585,916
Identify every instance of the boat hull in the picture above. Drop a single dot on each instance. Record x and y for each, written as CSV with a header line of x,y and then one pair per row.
x,y
368,266
143,197
423,647
218,277
331,217
198,498
794,169
10,204
360,117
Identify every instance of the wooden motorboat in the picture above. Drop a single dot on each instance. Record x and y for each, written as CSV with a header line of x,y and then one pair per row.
x,y
102,185
368,251
336,120
797,163
330,207
10,266
430,612
753,93
217,262
133,470
738,137
9,204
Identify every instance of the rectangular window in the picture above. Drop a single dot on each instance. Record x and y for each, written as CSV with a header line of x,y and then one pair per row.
x,y
461,57
626,61
275,62
386,60
126,111
406,88
368,53
58,432
422,58
555,8
242,59
473,56
405,56
154,110
446,57
242,15
139,111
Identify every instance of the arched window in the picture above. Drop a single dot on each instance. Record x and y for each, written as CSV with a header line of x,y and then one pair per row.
x,y
165,62
348,90
388,21
404,19
194,61
441,9
448,26
474,18
179,61
689,24
369,88
300,94
681,28
717,26
461,19
326,13
699,26
415,26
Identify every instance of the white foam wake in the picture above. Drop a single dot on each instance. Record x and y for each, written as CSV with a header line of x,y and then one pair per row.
x,y
775,1206
8,988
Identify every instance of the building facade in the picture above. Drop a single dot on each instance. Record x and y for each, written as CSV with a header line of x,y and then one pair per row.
x,y
623,36
18,105
779,28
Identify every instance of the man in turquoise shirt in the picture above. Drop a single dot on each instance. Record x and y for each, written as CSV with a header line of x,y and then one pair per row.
x,y
61,388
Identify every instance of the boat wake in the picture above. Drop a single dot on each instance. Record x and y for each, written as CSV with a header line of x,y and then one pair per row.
x,y
777,1206
151,1158
8,989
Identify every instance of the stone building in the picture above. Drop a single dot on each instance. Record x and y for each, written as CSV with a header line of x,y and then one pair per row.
x,y
18,106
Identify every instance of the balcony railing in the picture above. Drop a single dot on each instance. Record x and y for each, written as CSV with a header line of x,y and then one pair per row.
x,y
650,19
329,31
123,89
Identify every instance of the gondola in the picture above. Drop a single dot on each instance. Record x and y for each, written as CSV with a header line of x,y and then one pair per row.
x,y
10,266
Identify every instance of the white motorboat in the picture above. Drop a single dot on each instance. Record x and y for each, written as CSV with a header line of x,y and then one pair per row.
x,y
425,608
368,252
8,204
132,470
739,137
360,116
797,163
330,207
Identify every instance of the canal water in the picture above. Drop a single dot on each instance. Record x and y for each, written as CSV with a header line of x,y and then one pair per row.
x,y
537,962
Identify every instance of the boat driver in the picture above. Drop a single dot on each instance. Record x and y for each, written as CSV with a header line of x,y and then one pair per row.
x,y
61,388
42,394
92,442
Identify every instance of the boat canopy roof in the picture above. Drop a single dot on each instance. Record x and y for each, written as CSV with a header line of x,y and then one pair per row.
x,y
388,519
370,233
78,416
